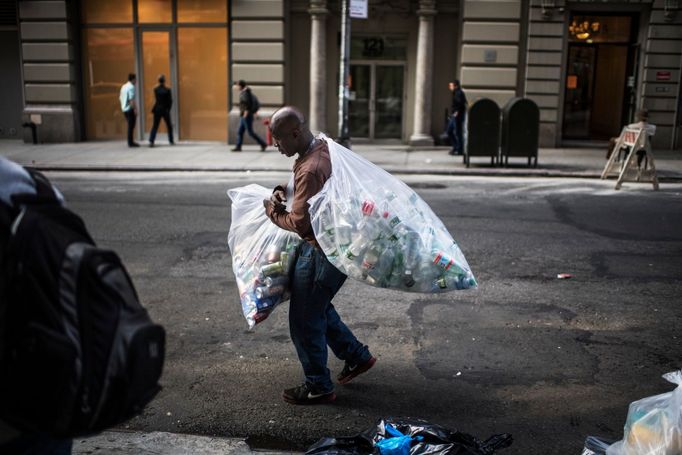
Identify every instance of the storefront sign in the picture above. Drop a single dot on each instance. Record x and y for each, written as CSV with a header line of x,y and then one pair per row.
x,y
358,9
663,75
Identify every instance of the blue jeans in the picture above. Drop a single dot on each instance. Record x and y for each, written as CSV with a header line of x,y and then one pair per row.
x,y
246,124
313,321
456,132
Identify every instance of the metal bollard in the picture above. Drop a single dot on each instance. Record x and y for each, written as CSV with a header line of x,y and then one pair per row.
x,y
34,130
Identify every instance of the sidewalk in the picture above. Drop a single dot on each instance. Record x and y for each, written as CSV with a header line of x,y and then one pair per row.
x,y
398,159
157,442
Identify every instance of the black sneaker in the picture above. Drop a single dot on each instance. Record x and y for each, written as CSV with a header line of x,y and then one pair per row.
x,y
237,149
350,371
263,147
303,394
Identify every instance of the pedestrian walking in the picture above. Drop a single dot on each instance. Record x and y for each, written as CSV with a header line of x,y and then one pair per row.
x,y
458,111
127,98
163,100
248,106
314,323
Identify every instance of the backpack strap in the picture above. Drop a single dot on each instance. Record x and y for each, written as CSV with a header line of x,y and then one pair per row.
x,y
44,190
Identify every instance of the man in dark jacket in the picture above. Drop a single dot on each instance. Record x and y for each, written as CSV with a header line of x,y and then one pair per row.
x,y
247,109
161,109
458,110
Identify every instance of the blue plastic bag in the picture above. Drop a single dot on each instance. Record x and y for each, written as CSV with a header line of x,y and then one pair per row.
x,y
396,443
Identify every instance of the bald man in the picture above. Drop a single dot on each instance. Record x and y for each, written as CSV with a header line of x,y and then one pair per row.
x,y
314,324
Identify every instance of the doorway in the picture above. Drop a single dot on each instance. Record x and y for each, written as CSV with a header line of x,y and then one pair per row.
x,y
157,55
375,106
600,76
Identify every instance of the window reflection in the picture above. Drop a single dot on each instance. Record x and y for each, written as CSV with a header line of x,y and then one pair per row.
x,y
154,11
202,11
107,11
155,61
108,57
202,72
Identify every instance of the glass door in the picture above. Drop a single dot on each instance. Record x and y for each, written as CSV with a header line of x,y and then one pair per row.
x,y
157,59
359,101
388,101
579,91
375,107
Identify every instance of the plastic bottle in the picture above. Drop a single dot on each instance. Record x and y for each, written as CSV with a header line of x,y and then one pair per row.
x,y
451,281
284,260
412,246
344,234
326,241
266,303
273,281
442,260
273,253
275,268
265,291
326,222
370,259
357,248
382,270
370,228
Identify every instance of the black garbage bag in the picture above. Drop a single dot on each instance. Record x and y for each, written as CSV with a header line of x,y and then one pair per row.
x,y
430,439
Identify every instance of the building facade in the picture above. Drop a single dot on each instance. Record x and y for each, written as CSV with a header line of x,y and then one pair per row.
x,y
589,65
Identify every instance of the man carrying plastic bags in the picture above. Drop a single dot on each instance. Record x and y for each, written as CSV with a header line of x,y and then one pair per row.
x,y
339,216
313,320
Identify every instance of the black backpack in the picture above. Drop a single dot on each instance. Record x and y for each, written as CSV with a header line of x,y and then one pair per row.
x,y
78,353
255,104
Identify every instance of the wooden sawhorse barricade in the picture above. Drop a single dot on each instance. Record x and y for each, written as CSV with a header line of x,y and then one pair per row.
x,y
637,164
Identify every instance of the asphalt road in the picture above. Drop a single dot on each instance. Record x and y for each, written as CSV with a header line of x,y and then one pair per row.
x,y
550,361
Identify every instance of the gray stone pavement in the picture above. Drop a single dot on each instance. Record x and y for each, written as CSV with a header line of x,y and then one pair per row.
x,y
397,158
158,442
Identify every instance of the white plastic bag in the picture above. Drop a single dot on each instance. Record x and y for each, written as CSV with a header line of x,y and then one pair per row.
x,y
654,424
262,253
374,228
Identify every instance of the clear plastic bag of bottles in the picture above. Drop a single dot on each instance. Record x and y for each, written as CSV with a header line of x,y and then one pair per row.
x,y
654,424
377,230
262,254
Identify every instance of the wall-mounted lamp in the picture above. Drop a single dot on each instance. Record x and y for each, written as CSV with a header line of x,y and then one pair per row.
x,y
547,8
670,8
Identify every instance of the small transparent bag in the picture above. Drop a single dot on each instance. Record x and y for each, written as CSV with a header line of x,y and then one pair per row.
x,y
654,424
262,253
377,230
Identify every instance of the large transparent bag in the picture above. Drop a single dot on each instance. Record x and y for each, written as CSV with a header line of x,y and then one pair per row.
x,y
262,253
654,424
376,229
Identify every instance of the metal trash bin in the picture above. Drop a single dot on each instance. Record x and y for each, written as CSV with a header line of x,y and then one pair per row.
x,y
483,131
520,130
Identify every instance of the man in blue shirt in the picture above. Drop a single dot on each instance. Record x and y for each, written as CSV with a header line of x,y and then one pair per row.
x,y
127,98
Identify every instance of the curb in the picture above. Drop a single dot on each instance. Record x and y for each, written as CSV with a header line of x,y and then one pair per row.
x,y
536,173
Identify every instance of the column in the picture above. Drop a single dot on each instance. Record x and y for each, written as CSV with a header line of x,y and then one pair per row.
x,y
421,134
51,94
318,63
